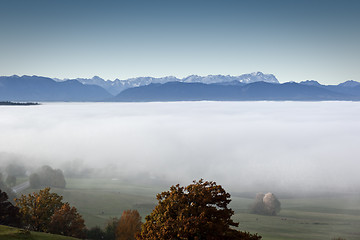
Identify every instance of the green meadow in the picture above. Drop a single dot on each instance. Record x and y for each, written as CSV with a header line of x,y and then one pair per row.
x,y
10,233
315,218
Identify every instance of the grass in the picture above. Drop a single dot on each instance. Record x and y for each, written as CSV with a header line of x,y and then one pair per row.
x,y
10,233
305,218
312,218
100,199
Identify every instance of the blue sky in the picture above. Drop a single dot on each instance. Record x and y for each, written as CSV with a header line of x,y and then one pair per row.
x,y
295,40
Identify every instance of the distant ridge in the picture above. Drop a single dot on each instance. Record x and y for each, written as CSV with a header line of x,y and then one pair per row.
x,y
257,91
246,87
34,88
117,86
7,103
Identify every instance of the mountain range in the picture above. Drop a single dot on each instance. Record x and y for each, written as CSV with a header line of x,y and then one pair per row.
x,y
257,91
34,88
117,86
246,87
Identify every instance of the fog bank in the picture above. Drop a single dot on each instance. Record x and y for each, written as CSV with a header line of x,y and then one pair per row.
x,y
274,146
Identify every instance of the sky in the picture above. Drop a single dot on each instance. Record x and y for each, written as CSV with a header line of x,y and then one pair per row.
x,y
294,40
244,146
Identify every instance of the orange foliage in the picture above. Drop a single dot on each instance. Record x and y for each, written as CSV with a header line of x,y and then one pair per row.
x,y
198,211
37,208
129,225
67,221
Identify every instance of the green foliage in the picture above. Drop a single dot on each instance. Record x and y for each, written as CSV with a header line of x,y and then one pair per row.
x,y
198,211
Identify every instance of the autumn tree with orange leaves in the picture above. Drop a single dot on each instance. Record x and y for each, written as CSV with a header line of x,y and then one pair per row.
x,y
45,212
37,208
67,221
129,225
198,211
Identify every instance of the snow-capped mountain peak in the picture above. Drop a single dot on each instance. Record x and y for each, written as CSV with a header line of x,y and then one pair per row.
x,y
116,86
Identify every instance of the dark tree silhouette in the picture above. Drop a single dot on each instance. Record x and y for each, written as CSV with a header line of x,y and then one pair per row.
x,y
95,233
47,177
9,214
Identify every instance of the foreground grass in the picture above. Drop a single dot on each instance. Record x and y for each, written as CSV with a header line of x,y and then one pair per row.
x,y
312,218
10,233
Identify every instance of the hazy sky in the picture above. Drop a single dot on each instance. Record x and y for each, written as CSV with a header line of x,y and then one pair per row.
x,y
245,146
295,40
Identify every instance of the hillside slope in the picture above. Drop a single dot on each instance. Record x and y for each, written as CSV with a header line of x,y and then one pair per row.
x,y
10,233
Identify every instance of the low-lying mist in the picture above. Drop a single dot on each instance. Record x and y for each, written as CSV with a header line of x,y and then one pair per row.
x,y
245,146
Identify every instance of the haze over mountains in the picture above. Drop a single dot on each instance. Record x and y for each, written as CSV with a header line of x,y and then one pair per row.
x,y
117,86
246,87
34,88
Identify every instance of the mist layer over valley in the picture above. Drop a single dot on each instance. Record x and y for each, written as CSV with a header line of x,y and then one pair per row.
x,y
245,146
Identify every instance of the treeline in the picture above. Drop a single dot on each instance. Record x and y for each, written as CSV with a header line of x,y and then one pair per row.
x,y
44,176
198,211
44,212
8,103
47,177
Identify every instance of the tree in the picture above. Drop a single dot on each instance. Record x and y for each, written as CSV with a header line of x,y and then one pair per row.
x,y
9,214
34,180
37,208
258,206
15,169
110,229
11,180
67,221
129,225
198,211
266,204
10,193
95,233
49,177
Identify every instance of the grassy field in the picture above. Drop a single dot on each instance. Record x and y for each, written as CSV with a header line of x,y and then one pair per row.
x,y
9,233
312,218
305,218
